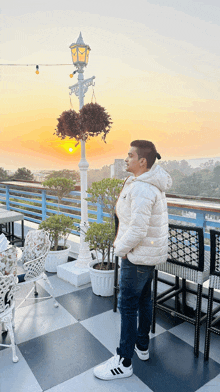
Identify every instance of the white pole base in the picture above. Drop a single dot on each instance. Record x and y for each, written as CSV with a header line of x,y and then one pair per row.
x,y
74,275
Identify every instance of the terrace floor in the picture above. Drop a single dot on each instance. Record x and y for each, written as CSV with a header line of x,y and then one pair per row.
x,y
58,348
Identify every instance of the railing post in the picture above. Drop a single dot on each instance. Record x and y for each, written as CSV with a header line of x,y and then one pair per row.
x,y
7,198
200,219
44,204
99,213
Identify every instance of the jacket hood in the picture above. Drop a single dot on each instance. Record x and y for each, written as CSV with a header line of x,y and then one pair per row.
x,y
156,176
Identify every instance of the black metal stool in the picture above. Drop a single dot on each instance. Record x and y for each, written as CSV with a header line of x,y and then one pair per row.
x,y
214,283
185,261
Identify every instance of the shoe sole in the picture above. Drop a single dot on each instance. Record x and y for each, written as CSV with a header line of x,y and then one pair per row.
x,y
143,357
113,377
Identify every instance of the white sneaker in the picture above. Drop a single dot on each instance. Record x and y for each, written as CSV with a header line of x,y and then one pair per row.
x,y
112,369
143,355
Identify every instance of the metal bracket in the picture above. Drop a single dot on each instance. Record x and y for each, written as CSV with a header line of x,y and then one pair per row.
x,y
85,85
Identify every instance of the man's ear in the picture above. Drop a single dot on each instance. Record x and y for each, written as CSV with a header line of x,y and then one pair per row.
x,y
143,162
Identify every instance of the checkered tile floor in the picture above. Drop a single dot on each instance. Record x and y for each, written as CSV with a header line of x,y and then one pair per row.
x,y
58,348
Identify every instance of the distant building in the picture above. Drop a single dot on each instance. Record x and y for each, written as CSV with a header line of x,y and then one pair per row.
x,y
40,175
118,169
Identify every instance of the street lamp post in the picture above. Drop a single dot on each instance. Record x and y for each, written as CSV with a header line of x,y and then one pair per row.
x,y
80,56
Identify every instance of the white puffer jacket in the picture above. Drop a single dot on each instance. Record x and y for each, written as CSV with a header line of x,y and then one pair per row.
x,y
143,218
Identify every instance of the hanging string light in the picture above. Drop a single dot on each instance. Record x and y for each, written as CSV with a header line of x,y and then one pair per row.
x,y
37,67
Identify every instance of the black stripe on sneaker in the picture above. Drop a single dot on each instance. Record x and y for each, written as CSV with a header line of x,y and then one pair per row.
x,y
116,371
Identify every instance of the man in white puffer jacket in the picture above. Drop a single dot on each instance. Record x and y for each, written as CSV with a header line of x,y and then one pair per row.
x,y
142,242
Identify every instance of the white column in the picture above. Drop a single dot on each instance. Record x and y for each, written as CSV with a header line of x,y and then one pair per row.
x,y
84,253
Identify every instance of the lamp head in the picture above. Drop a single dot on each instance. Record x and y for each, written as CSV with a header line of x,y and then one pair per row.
x,y
80,53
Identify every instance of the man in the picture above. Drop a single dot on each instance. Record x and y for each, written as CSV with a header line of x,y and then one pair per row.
x,y
141,242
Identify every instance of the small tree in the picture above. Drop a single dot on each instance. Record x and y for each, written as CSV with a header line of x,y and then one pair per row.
x,y
70,174
3,174
106,192
58,226
101,235
23,174
60,186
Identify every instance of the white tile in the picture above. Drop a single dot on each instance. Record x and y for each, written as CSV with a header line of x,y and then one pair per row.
x,y
211,386
106,328
158,331
16,377
60,287
87,382
38,319
185,331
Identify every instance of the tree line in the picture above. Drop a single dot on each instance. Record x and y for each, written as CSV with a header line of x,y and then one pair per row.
x,y
203,181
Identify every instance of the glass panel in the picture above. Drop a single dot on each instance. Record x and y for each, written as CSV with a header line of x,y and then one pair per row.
x,y
81,54
87,56
74,55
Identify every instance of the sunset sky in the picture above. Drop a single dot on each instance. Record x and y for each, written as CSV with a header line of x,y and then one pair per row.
x,y
157,69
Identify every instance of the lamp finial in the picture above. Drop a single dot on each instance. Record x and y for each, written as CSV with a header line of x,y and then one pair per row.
x,y
80,40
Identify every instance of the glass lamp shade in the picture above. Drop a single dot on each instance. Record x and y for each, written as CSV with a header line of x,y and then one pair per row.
x,y
80,54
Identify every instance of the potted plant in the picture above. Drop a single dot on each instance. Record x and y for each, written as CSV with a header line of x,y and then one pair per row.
x,y
59,225
101,236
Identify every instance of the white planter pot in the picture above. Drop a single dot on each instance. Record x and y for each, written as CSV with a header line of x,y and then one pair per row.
x,y
102,281
55,258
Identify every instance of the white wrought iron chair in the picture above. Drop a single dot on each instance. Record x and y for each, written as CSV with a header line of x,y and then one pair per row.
x,y
8,280
35,251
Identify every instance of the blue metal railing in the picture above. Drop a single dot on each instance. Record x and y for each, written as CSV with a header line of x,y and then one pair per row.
x,y
36,204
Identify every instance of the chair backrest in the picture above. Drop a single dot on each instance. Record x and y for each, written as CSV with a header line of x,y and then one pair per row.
x,y
36,244
8,261
214,252
186,246
7,291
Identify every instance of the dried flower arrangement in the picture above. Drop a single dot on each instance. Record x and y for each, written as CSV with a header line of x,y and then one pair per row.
x,y
92,120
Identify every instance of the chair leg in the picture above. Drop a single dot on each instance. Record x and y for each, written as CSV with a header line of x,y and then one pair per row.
x,y
35,289
177,303
8,323
184,296
198,317
208,324
13,317
154,301
55,303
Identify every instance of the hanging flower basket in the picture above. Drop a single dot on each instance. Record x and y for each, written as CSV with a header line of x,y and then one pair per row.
x,y
92,120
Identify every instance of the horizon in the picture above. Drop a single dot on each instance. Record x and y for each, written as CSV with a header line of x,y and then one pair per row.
x,y
215,159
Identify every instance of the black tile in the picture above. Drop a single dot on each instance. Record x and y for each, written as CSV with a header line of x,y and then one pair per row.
x,y
172,366
167,321
4,339
83,304
23,291
62,354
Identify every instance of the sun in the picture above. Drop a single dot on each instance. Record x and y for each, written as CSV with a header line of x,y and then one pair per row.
x,y
69,146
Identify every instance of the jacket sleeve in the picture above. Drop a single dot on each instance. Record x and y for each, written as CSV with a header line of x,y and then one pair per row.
x,y
142,202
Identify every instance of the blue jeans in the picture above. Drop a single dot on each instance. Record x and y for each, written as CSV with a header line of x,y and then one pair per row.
x,y
134,303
